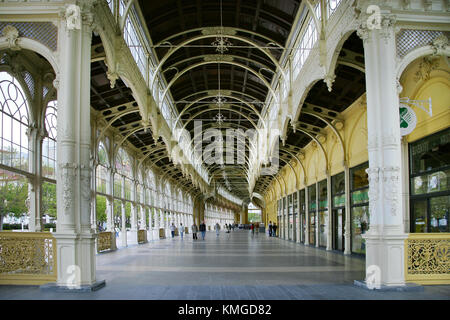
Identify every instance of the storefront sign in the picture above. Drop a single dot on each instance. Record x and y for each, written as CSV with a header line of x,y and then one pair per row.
x,y
408,120
339,201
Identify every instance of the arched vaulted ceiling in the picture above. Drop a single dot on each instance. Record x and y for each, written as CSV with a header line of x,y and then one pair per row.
x,y
198,70
185,39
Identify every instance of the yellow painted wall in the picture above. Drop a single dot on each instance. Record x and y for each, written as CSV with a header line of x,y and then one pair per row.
x,y
354,136
434,82
420,84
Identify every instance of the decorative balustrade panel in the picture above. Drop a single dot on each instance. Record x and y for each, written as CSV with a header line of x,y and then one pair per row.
x,y
27,258
427,258
142,236
104,241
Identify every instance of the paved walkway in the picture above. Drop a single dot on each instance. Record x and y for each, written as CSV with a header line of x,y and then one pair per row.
x,y
234,266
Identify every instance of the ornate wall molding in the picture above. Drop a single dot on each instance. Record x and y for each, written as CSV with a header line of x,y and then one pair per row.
x,y
85,179
12,35
67,172
374,178
391,179
425,67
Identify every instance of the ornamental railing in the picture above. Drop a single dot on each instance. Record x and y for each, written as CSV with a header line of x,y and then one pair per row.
x,y
427,258
105,241
142,236
27,258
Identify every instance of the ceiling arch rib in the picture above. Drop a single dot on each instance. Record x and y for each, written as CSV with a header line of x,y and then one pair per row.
x,y
215,35
257,74
186,108
255,48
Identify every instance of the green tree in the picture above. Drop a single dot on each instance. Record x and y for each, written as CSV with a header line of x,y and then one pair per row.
x,y
13,197
100,209
49,198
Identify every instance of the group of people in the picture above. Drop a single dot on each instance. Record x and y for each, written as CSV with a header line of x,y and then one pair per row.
x,y
196,229
201,228
272,229
254,227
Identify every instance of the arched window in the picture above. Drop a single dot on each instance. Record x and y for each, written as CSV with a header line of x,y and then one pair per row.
x,y
102,169
123,167
49,143
49,160
14,119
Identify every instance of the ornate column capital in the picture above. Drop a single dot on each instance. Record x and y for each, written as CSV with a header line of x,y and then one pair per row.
x,y
36,132
77,16
370,18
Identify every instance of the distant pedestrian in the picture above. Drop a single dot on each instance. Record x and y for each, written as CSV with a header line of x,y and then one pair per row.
x,y
274,230
203,229
181,230
172,230
217,228
194,231
270,228
252,228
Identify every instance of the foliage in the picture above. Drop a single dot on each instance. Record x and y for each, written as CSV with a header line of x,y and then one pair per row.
x,y
100,209
254,216
47,226
49,199
14,226
13,197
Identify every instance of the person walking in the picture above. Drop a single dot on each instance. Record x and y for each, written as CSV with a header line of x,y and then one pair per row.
x,y
203,229
172,230
194,231
252,228
274,228
217,228
270,228
181,230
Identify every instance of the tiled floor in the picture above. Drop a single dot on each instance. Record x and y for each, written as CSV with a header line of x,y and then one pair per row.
x,y
234,266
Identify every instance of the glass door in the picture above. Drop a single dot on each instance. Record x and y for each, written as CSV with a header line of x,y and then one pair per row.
x,y
312,228
302,227
338,226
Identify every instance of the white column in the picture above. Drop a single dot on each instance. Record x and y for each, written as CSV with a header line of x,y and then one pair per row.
x,y
385,237
35,138
109,214
110,201
317,214
347,226
110,221
94,195
133,234
330,205
156,217
75,239
161,219
143,217
124,224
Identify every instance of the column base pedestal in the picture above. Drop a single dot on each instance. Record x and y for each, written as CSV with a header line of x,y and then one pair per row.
x,y
54,287
132,237
408,287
